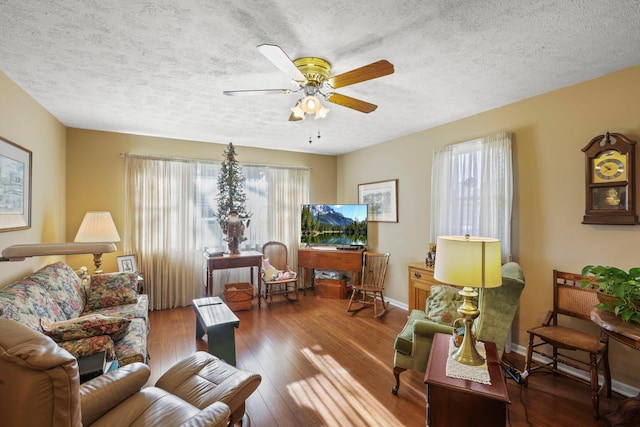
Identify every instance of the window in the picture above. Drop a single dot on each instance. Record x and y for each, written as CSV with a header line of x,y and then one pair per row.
x,y
256,189
169,221
471,190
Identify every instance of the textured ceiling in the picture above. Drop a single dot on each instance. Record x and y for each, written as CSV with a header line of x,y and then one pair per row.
x,y
159,67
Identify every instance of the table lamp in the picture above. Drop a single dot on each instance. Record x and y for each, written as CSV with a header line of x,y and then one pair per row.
x,y
471,262
97,227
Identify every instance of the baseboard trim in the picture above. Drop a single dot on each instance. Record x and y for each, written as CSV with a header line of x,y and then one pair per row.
x,y
396,303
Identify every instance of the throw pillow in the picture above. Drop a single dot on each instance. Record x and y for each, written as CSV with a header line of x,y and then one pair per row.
x,y
64,285
108,290
286,275
442,305
269,272
86,326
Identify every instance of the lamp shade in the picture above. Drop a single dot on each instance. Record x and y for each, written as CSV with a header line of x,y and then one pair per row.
x,y
310,104
97,227
468,261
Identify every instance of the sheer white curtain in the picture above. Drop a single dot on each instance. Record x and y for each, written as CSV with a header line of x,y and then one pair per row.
x,y
169,221
159,228
472,190
288,191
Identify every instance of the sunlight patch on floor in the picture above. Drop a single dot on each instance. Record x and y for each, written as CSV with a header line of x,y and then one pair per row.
x,y
336,397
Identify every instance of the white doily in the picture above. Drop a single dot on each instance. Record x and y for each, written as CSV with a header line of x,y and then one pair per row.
x,y
455,369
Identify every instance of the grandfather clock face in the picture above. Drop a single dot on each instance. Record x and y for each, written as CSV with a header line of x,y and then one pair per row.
x,y
609,166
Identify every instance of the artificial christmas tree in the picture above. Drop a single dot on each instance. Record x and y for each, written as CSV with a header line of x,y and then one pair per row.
x,y
231,198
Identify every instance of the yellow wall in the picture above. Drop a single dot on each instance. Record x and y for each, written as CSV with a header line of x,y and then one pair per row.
x,y
549,132
95,176
24,122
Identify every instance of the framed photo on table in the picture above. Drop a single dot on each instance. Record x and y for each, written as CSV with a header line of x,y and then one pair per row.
x,y
382,200
127,264
15,186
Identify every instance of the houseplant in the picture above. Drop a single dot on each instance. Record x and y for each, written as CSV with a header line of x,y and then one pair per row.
x,y
623,286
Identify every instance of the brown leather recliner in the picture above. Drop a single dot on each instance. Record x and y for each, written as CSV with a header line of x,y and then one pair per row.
x,y
39,385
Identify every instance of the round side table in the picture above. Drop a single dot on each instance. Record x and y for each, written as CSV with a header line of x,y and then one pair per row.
x,y
628,333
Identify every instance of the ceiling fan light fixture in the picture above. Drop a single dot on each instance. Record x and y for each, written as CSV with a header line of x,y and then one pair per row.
x,y
298,112
311,75
321,113
310,104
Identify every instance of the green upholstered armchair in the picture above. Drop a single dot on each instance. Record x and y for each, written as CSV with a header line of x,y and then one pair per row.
x,y
497,306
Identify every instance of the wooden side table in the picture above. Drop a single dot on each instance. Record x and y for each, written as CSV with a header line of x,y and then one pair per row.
x,y
628,333
456,402
245,259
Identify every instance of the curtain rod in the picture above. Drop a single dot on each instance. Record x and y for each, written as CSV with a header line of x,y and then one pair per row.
x,y
192,160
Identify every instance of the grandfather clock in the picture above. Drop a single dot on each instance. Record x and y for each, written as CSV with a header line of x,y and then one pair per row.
x,y
610,180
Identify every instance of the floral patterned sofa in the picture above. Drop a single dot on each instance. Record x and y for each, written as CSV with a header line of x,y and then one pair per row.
x,y
84,316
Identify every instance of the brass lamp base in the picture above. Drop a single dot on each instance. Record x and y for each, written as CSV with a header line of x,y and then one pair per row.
x,y
97,261
467,353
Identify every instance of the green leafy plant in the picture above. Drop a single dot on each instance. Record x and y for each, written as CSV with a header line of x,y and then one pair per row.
x,y
624,286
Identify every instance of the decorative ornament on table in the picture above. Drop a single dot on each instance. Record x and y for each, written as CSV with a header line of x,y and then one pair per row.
x,y
231,212
235,233
430,260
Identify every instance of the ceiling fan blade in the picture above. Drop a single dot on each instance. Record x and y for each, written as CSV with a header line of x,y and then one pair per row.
x,y
280,59
353,103
368,72
294,118
258,92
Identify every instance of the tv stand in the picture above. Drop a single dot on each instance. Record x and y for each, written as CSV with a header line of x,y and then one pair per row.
x,y
312,259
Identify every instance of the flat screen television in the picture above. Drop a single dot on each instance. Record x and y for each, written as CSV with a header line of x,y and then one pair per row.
x,y
337,225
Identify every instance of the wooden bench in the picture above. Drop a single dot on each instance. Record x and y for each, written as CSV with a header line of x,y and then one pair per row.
x,y
219,323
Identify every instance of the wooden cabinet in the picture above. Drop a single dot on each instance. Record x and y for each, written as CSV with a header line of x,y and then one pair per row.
x,y
420,282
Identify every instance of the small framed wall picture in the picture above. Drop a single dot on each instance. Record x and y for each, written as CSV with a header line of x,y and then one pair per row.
x,y
381,199
15,186
127,264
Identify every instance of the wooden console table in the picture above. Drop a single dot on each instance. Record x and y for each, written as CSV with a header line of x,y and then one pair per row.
x,y
245,259
457,402
329,259
628,333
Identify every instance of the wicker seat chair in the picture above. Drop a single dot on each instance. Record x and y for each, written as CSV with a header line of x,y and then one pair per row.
x,y
570,299
276,254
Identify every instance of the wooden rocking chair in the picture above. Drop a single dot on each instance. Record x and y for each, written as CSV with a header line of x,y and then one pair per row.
x,y
374,271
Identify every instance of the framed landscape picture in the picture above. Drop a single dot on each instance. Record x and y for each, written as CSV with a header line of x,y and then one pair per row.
x,y
382,200
15,186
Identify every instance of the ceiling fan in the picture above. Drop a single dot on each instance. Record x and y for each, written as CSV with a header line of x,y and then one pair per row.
x,y
313,77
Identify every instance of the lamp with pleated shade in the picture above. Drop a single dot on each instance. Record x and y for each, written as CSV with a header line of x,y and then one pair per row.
x,y
97,226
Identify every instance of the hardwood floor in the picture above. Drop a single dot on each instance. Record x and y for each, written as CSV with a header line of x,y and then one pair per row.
x,y
321,366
